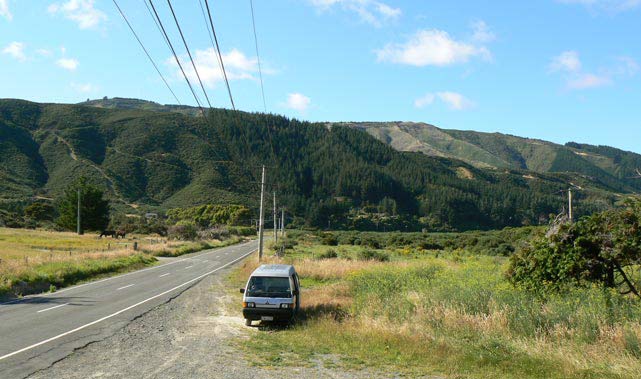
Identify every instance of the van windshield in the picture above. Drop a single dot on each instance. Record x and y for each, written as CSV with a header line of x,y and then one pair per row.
x,y
264,286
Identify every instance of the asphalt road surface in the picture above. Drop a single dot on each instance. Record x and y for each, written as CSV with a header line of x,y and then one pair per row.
x,y
37,331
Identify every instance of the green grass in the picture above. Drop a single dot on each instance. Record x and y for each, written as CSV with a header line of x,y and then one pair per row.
x,y
453,315
34,261
55,275
192,247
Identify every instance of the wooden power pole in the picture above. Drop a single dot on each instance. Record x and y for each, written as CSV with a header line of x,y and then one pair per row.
x,y
570,204
282,222
261,218
275,222
78,220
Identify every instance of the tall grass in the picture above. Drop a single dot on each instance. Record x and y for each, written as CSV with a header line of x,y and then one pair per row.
x,y
454,315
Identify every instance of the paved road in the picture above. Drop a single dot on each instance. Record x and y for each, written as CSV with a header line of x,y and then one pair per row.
x,y
37,331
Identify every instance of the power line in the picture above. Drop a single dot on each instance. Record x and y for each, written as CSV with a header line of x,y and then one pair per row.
x,y
145,50
260,71
157,25
260,74
193,64
173,51
220,57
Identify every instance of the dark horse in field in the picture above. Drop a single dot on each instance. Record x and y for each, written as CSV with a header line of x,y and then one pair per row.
x,y
113,233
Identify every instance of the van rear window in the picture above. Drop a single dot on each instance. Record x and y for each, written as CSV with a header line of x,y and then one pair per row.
x,y
265,286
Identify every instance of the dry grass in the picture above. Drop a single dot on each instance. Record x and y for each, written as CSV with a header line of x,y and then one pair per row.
x,y
41,257
452,316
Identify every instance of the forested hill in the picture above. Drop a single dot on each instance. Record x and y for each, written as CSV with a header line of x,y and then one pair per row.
x,y
153,158
615,167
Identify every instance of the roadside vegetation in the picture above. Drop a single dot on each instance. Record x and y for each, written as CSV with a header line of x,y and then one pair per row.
x,y
33,261
39,253
445,309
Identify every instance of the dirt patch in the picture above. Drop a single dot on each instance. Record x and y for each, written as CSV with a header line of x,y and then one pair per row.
x,y
464,173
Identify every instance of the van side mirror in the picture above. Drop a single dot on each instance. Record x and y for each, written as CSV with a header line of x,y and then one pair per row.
x,y
242,290
295,292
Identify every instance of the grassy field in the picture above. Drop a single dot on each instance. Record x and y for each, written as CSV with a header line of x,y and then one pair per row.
x,y
449,313
33,261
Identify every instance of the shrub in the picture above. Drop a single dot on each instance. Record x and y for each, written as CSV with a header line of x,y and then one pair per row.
x,y
329,239
373,255
243,231
183,230
370,242
329,254
504,249
604,248
213,233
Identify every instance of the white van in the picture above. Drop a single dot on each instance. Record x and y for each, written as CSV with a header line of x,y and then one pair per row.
x,y
272,294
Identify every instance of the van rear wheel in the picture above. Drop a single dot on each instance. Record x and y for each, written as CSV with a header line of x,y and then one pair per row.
x,y
248,322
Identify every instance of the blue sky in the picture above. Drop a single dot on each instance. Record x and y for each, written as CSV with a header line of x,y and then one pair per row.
x,y
560,70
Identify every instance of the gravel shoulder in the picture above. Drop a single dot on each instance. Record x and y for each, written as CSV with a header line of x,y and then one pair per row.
x,y
190,336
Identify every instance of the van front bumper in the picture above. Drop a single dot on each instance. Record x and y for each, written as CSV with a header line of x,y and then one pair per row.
x,y
279,314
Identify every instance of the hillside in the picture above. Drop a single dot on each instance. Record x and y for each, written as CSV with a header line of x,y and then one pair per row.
x,y
614,167
326,176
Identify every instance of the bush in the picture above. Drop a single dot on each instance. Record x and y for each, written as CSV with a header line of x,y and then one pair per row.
x,y
329,239
284,244
39,211
329,254
370,242
183,230
213,233
373,255
604,248
243,231
504,249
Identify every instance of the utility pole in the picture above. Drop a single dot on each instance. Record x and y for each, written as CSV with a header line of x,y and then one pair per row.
x,y
275,222
78,221
570,204
261,219
282,222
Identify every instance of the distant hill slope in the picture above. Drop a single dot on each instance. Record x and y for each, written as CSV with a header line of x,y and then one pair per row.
x,y
148,155
616,168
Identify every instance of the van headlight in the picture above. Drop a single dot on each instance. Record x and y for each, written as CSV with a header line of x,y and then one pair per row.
x,y
249,305
285,305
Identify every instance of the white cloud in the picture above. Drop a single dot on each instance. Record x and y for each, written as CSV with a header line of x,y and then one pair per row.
x,y
431,48
570,67
626,66
371,11
68,63
80,11
424,101
16,50
237,65
482,32
84,87
566,61
606,5
587,81
4,10
44,52
454,101
298,102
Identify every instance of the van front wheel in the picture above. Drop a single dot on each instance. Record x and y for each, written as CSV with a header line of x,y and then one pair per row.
x,y
248,322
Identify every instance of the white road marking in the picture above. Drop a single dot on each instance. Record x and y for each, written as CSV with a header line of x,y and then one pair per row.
x,y
164,275
122,310
127,286
57,306
114,277
189,267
